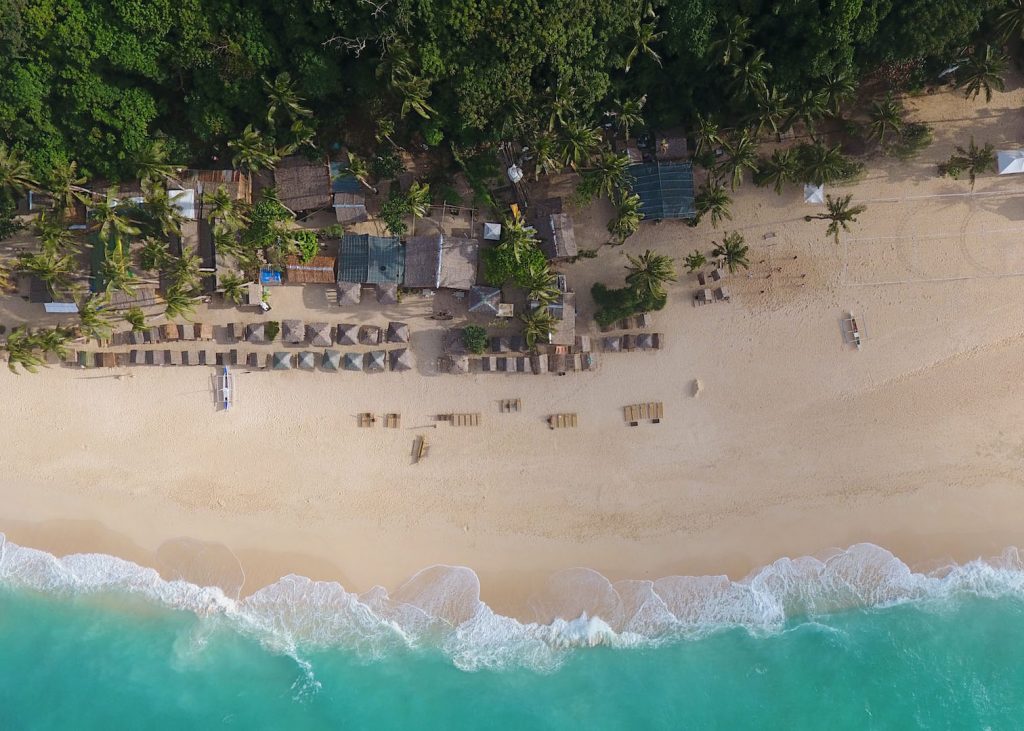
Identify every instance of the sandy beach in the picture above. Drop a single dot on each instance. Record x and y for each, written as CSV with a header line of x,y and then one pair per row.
x,y
797,443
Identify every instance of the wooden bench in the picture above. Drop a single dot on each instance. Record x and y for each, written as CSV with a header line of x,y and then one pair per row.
x,y
465,419
366,419
562,421
510,405
392,421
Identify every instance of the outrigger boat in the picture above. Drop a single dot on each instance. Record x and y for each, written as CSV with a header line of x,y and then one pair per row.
x,y
853,330
225,388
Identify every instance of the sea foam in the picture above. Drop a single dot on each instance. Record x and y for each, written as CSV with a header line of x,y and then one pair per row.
x,y
440,607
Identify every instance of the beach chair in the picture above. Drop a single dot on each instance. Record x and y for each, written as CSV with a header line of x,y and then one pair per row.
x,y
203,331
366,420
169,332
656,340
628,342
392,421
136,337
151,335
237,331
137,357
722,294
630,414
701,279
703,297
656,411
174,357
717,274
208,357
188,332
465,419
419,449
562,421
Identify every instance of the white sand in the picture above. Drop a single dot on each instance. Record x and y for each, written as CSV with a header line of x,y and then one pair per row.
x,y
797,442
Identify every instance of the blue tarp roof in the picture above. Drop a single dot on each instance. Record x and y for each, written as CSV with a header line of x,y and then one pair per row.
x,y
665,189
369,259
341,183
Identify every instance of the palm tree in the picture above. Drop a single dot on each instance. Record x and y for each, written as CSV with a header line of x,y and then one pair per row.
x,y
225,210
116,273
808,108
627,217
136,318
414,90
644,36
750,77
92,321
110,218
52,340
840,215
253,151
545,160
579,143
973,159
359,170
772,112
6,281
281,96
178,302
53,233
741,155
162,212
515,237
66,187
418,199
629,114
1010,23
185,270
819,164
886,118
732,252
232,287
154,255
708,135
838,89
609,174
15,175
777,170
151,162
982,72
695,261
648,274
21,351
55,268
538,324
539,282
712,200
732,42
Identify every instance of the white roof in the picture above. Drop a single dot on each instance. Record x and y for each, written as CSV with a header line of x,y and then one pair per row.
x,y
814,193
1010,161
60,307
492,231
184,201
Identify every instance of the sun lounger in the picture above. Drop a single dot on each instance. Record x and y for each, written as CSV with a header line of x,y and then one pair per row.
x,y
208,357
704,297
510,405
174,357
392,421
656,340
657,411
203,331
465,419
722,294
107,360
582,344
628,342
643,320
419,449
366,419
237,331
151,335
137,357
629,412
188,332
701,279
717,274
169,332
562,421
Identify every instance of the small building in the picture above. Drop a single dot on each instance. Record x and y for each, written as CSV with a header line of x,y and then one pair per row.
x,y
665,190
555,228
349,198
303,185
366,259
318,270
1009,162
671,148
436,261
207,182
564,312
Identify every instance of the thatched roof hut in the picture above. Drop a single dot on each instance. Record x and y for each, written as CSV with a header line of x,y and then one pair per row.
x,y
318,270
281,361
352,362
347,334
369,335
292,332
387,294
435,261
257,333
401,359
398,332
303,185
318,334
375,361
331,360
306,360
349,293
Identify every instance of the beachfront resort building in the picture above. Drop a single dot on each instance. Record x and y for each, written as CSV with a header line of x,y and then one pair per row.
x,y
303,186
665,190
439,261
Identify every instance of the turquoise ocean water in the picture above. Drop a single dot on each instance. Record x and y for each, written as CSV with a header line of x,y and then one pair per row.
x,y
95,643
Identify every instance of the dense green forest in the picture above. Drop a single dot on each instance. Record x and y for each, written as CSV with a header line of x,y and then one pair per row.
x,y
93,80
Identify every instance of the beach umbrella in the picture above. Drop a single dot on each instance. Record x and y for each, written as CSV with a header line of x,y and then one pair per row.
x,y
257,333
369,335
401,360
353,362
458,364
331,360
398,332
318,334
484,300
306,360
281,361
387,294
375,361
349,293
612,344
292,332
492,231
347,334
644,341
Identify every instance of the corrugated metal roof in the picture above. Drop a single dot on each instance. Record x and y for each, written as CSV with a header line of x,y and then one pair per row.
x,y
371,259
665,189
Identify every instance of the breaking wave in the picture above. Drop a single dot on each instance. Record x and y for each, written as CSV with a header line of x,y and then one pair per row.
x,y
440,607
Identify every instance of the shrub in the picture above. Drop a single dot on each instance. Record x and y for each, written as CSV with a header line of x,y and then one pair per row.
x,y
334,231
272,329
615,304
307,244
474,338
9,225
913,138
386,164
433,135
393,212
500,265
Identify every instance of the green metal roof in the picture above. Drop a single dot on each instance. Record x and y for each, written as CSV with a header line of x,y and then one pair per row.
x,y
369,259
665,189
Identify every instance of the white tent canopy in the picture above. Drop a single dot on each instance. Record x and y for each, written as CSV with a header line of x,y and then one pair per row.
x,y
814,193
1010,161
184,201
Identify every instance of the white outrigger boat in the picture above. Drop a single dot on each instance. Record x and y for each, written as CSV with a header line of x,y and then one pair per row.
x,y
225,388
853,333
